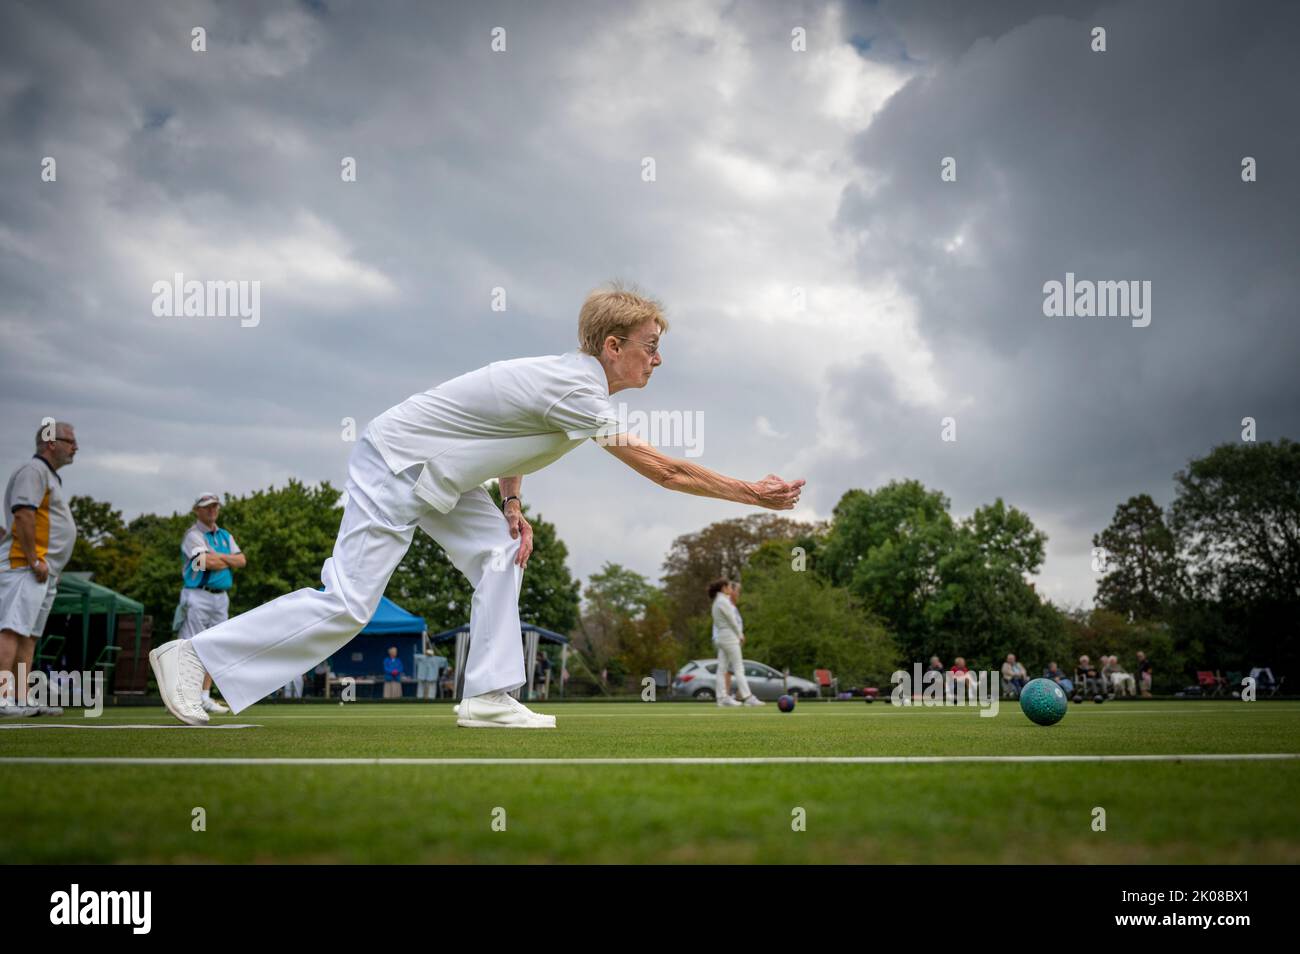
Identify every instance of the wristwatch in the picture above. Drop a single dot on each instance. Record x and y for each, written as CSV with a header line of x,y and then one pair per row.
x,y
510,498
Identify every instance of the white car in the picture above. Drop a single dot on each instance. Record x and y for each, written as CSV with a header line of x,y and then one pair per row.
x,y
697,679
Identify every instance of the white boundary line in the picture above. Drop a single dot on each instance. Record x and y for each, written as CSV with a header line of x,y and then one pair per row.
x,y
703,760
29,724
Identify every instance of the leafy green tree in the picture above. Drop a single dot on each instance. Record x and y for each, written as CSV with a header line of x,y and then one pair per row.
x,y
1237,520
720,550
984,608
797,620
615,598
144,563
942,587
1143,579
1237,517
646,643
103,547
286,534
884,547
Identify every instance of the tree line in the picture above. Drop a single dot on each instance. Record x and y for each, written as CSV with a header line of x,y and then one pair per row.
x,y
1213,582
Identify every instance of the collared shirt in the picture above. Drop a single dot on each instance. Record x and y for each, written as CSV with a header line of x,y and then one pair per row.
x,y
199,539
427,667
507,418
37,486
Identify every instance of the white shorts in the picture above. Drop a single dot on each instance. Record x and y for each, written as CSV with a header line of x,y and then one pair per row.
x,y
24,603
200,610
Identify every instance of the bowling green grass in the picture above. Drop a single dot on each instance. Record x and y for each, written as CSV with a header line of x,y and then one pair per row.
x,y
1156,812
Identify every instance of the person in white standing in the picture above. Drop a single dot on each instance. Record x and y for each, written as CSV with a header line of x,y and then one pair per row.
x,y
729,636
422,465
208,554
36,542
426,675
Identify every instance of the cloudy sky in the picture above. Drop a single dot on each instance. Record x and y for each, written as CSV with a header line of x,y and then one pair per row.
x,y
833,300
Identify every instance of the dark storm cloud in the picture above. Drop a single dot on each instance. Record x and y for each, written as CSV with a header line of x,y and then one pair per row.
x,y
521,170
1115,165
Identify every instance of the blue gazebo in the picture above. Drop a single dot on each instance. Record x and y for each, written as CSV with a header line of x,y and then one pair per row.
x,y
390,626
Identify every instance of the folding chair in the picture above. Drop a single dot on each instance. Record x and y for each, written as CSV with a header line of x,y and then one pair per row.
x,y
825,680
1209,683
1264,680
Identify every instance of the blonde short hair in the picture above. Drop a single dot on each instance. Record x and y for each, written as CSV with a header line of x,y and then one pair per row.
x,y
615,310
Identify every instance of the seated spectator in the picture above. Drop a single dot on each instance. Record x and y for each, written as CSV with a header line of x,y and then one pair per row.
x,y
1014,676
1060,678
1121,683
964,676
1263,676
935,666
1088,678
1144,674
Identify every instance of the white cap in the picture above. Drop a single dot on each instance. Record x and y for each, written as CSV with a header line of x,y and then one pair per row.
x,y
205,499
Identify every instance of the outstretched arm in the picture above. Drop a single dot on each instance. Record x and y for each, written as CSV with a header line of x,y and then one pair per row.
x,y
673,473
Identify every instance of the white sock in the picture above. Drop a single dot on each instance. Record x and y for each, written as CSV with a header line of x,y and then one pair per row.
x,y
207,695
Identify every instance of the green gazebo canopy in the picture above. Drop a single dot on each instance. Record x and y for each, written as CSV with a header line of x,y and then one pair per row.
x,y
77,596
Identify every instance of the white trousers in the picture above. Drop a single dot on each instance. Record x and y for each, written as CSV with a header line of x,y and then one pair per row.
x,y
201,610
257,652
729,658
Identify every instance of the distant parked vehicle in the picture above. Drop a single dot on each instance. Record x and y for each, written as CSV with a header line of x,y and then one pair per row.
x,y
698,680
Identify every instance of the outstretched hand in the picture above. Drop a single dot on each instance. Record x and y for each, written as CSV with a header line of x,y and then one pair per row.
x,y
777,494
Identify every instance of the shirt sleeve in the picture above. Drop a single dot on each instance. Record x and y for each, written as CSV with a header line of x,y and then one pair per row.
x,y
234,547
585,412
30,486
193,543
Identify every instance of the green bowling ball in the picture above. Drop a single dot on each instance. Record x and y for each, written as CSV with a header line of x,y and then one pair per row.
x,y
1044,702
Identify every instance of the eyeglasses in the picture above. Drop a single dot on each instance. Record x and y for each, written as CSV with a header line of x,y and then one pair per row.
x,y
652,347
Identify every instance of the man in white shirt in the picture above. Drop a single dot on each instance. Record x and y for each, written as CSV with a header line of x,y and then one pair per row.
x,y
422,464
37,534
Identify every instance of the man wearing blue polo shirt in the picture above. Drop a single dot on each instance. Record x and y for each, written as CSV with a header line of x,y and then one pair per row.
x,y
207,553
